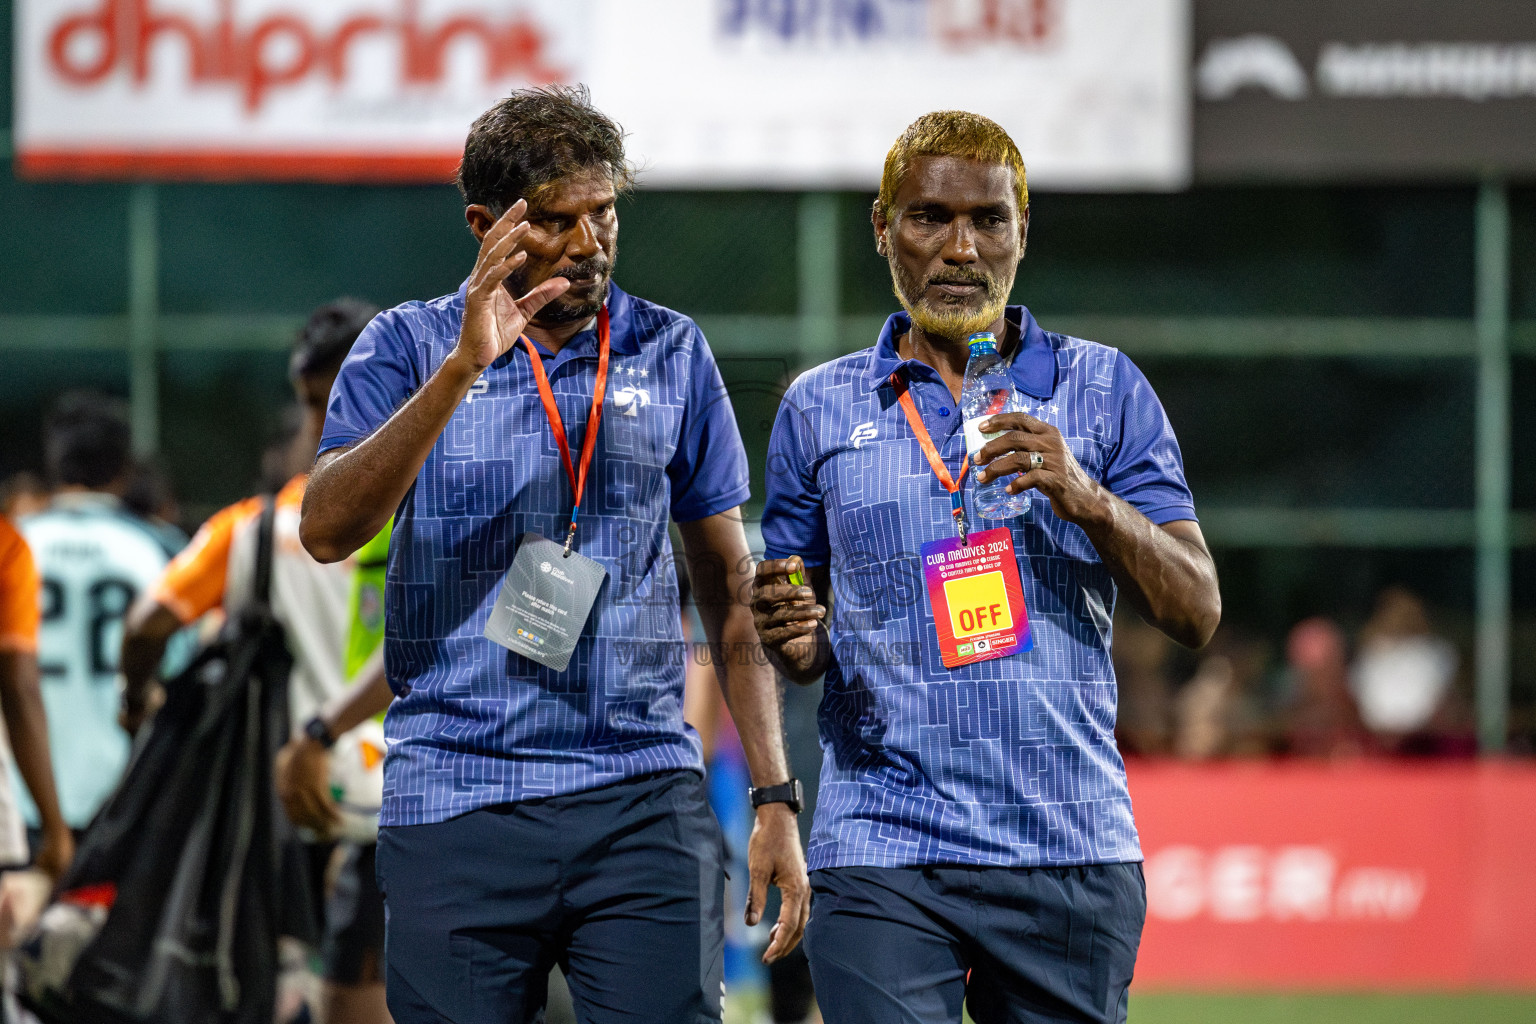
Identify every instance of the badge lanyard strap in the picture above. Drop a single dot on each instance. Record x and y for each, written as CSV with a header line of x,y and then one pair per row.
x,y
949,483
557,426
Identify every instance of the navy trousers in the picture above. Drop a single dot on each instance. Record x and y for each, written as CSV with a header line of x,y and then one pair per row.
x,y
622,886
1019,945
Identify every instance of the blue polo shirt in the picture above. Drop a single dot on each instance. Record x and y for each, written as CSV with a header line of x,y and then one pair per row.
x,y
475,724
1010,762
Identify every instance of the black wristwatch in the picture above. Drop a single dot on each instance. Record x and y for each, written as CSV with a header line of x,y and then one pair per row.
x,y
786,793
317,730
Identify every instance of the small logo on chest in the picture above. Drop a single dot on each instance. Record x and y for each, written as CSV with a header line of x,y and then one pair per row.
x,y
863,432
479,387
630,399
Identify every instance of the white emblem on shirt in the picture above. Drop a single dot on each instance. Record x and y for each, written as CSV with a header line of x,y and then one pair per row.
x,y
479,387
863,432
631,399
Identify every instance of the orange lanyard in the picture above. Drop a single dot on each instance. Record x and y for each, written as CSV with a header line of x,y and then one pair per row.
x,y
557,426
949,483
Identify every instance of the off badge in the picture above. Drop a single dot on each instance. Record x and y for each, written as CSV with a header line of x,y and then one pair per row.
x,y
978,600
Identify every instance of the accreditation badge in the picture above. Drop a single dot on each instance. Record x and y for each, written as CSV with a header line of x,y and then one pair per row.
x,y
978,600
545,601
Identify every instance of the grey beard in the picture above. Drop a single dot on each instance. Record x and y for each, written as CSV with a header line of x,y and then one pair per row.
x,y
561,312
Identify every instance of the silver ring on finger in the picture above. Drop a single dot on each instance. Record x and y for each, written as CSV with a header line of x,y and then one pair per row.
x,y
1036,460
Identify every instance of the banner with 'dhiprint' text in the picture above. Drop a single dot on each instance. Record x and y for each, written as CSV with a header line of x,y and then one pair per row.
x,y
786,93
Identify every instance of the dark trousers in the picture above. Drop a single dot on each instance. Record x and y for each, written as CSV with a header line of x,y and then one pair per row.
x,y
1020,945
622,886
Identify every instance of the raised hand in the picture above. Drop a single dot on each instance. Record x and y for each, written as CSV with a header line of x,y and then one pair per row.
x,y
493,319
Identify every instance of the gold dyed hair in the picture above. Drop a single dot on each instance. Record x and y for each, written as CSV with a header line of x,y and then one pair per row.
x,y
951,133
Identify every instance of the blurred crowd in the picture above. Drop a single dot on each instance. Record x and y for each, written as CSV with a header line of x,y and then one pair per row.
x,y
1395,687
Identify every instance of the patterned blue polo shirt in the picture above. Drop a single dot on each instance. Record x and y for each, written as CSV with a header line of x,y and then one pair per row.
x,y
1009,762
476,724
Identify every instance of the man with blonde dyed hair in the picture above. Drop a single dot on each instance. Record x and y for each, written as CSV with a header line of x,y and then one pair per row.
x,y
973,840
963,136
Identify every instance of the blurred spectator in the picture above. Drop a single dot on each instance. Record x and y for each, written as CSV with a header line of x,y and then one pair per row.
x,y
95,557
1322,720
23,494
288,451
1403,680
1143,723
149,496
1216,713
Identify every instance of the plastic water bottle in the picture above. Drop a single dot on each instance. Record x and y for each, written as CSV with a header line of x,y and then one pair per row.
x,y
988,391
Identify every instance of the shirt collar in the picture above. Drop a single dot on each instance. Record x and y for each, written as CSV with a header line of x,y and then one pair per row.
x,y
86,501
1033,366
621,335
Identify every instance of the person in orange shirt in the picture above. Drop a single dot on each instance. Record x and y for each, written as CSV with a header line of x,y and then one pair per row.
x,y
26,724
312,602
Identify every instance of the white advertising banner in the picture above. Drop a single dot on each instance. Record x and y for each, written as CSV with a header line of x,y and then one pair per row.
x,y
714,93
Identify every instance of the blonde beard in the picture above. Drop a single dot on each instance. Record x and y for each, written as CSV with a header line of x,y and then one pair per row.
x,y
951,324
954,324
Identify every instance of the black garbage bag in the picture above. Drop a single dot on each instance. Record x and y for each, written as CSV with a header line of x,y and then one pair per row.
x,y
169,912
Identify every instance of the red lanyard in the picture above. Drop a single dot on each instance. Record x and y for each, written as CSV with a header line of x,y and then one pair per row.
x,y
557,426
949,483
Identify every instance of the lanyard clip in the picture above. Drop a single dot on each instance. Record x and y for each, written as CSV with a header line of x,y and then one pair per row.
x,y
570,539
958,511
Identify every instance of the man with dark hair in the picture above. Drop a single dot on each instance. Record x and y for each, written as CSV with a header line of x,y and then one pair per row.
x,y
543,799
326,695
322,346
87,442
973,841
95,557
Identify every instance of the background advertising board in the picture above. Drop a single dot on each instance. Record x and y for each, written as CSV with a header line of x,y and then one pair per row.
x,y
1356,875
714,92
1370,89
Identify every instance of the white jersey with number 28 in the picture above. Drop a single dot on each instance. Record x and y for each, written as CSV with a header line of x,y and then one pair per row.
x,y
95,558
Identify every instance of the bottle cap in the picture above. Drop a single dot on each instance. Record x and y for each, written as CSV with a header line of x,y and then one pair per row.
x,y
983,341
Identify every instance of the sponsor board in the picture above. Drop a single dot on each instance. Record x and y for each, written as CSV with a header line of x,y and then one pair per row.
x,y
1372,89
712,92
1360,875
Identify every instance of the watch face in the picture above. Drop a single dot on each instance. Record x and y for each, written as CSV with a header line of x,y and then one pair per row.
x,y
317,731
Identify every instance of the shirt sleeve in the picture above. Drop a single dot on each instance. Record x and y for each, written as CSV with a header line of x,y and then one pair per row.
x,y
708,472
1146,468
195,581
379,374
794,518
20,592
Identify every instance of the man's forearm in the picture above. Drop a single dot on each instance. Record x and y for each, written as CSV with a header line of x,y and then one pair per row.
x,y
21,701
140,660
722,571
1169,579
147,632
352,494
752,694
357,704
